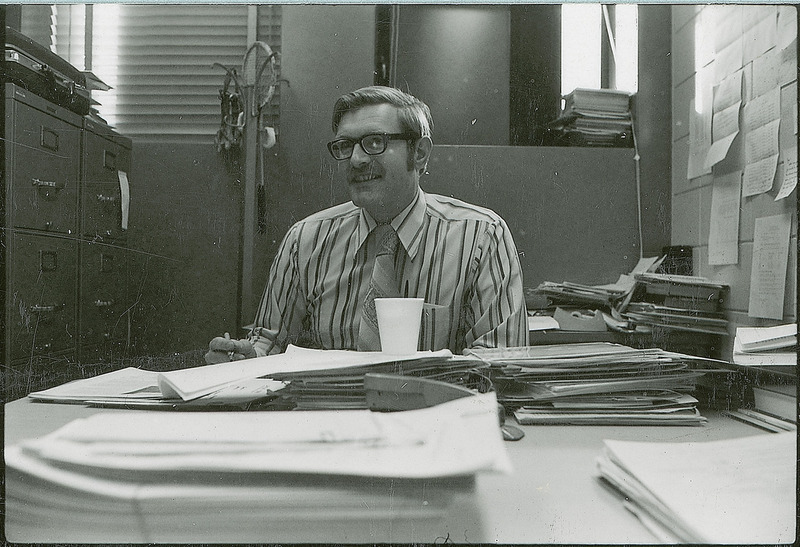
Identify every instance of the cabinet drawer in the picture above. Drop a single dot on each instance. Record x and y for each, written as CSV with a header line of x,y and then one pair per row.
x,y
41,301
43,169
102,211
103,290
101,203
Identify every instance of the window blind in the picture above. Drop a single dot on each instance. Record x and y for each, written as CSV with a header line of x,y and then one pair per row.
x,y
158,59
69,33
36,23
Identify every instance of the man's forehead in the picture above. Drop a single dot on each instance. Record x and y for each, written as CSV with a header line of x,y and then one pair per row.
x,y
373,117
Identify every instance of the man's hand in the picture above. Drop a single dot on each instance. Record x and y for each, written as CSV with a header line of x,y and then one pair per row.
x,y
222,349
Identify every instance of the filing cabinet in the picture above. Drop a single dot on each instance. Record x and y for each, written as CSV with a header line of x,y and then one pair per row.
x,y
66,288
42,274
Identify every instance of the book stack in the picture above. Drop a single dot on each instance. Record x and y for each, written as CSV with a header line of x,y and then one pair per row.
x,y
594,383
595,117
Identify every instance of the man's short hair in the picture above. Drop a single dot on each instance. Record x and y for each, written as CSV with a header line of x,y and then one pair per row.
x,y
415,116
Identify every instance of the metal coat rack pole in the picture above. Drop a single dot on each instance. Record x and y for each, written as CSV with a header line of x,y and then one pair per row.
x,y
249,206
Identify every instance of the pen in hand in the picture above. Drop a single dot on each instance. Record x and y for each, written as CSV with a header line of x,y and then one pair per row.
x,y
230,352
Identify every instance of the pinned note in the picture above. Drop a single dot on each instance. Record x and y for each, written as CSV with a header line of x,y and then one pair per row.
x,y
125,197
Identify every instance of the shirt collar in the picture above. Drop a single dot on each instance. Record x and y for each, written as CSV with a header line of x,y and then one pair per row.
x,y
407,224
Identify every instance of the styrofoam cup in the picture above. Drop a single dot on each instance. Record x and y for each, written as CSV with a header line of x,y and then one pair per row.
x,y
398,324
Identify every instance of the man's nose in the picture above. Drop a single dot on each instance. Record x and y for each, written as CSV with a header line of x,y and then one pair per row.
x,y
359,157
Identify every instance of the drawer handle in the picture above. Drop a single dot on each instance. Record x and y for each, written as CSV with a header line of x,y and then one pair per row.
x,y
58,185
103,303
109,160
38,308
48,139
106,199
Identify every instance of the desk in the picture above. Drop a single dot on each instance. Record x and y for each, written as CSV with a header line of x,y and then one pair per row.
x,y
553,495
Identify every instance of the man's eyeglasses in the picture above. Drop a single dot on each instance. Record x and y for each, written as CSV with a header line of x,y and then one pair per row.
x,y
373,144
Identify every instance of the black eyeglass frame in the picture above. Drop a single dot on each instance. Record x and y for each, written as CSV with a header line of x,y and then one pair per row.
x,y
386,138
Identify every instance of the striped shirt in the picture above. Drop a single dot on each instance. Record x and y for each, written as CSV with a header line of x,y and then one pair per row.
x,y
459,257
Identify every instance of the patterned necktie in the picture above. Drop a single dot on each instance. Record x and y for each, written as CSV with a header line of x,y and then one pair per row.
x,y
383,284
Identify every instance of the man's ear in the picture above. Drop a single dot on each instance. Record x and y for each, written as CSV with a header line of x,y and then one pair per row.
x,y
422,153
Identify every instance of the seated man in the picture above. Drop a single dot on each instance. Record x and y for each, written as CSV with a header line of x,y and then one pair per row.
x,y
459,257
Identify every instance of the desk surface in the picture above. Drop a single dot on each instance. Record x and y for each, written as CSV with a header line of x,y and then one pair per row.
x,y
552,496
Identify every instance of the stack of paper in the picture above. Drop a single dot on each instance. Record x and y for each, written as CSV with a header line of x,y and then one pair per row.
x,y
343,388
248,476
738,491
136,388
596,117
239,383
594,383
678,302
770,346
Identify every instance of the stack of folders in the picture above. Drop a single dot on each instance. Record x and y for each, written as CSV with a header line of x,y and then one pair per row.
x,y
737,491
594,383
250,477
678,302
595,117
343,388
576,294
766,346
768,357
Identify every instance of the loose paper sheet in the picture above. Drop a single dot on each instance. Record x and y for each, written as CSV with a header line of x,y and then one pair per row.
x,y
728,60
761,156
723,237
760,37
763,109
787,72
786,26
765,72
770,259
727,25
699,141
125,197
787,173
728,91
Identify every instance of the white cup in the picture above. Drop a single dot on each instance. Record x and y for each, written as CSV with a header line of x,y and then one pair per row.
x,y
398,324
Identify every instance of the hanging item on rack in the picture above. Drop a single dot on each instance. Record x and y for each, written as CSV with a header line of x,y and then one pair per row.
x,y
232,102
260,79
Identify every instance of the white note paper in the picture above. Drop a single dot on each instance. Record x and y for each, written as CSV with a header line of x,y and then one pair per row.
x,y
788,173
759,176
770,258
125,197
699,141
765,72
723,236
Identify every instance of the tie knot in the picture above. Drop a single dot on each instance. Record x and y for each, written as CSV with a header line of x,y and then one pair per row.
x,y
386,239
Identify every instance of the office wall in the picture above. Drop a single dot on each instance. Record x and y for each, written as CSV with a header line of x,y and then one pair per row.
x,y
572,211
699,34
456,58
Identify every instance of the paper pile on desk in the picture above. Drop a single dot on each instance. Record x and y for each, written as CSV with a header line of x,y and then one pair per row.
x,y
136,388
274,468
231,384
195,382
594,383
739,491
